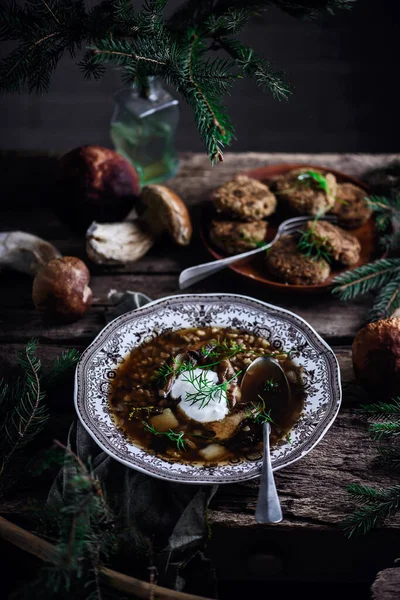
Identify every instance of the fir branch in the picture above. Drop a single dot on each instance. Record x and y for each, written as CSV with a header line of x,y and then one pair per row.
x,y
213,122
61,366
119,53
252,65
23,412
145,43
379,505
381,410
28,417
384,430
386,208
390,242
51,12
365,493
386,301
366,278
389,458
231,22
86,531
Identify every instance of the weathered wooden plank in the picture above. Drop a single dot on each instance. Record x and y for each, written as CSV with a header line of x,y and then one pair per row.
x,y
312,491
387,585
194,181
335,321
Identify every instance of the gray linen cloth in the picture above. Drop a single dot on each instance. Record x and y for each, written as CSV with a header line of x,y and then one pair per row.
x,y
165,523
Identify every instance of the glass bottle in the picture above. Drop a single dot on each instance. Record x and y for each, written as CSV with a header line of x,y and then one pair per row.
x,y
143,130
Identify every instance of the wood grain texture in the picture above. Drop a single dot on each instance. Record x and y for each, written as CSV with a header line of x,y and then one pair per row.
x,y
333,320
387,585
312,491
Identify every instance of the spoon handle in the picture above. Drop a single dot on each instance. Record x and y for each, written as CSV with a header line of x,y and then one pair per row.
x,y
268,507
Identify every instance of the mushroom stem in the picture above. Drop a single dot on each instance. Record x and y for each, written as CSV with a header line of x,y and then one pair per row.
x,y
24,252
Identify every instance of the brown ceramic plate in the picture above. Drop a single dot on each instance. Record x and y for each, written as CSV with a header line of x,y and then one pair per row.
x,y
254,267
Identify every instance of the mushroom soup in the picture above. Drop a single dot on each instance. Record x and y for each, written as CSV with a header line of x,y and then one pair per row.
x,y
178,396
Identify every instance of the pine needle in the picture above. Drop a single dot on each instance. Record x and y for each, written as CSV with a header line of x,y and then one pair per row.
x,y
86,532
61,366
378,506
145,43
381,410
386,301
386,209
23,412
389,458
384,430
27,417
366,278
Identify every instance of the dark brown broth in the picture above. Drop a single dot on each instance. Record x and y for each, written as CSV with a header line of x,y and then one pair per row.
x,y
135,389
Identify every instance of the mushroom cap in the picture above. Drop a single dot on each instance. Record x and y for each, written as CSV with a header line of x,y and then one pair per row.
x,y
25,252
97,184
61,289
376,355
163,210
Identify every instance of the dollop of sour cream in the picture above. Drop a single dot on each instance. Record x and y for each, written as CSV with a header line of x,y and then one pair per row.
x,y
214,410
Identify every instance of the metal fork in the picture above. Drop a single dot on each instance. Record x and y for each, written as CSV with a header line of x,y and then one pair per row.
x,y
194,274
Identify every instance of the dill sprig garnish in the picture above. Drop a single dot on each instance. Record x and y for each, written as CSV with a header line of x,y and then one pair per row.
x,y
205,391
313,245
313,177
258,413
271,385
224,349
167,369
173,436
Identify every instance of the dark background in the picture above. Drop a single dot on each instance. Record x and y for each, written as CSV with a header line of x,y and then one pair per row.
x,y
344,71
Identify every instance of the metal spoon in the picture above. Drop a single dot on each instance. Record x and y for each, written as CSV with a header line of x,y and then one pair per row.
x,y
257,373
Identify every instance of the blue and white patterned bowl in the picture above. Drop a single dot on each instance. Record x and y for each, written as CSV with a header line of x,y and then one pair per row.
x,y
100,361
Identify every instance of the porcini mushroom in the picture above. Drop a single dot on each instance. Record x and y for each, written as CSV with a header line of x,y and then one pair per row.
x,y
60,288
117,243
376,356
96,184
161,209
25,252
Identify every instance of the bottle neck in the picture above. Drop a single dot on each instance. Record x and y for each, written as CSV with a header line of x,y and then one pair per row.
x,y
149,91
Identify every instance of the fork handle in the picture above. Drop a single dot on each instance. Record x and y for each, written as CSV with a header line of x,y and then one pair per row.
x,y
194,274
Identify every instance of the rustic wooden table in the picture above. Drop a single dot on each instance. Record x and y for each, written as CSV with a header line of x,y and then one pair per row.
x,y
309,544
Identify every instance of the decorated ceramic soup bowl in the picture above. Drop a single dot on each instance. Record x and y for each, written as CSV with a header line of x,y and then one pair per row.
x,y
159,389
